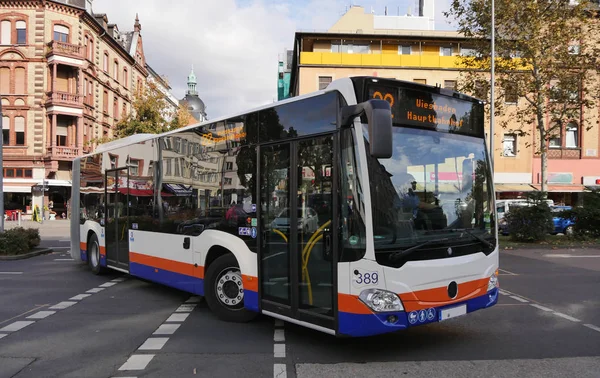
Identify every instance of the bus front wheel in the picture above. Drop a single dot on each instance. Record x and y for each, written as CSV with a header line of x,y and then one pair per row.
x,y
224,291
93,254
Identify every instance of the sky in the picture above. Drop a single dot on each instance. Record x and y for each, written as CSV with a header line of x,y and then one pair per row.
x,y
233,45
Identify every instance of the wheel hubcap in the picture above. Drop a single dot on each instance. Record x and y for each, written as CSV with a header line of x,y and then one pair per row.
x,y
230,290
94,254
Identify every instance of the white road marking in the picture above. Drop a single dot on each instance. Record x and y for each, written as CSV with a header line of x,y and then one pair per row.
x,y
120,279
64,260
194,300
590,326
154,343
565,256
166,329
186,308
79,297
279,350
177,318
137,362
542,307
62,305
519,299
95,290
506,272
13,327
2,335
564,316
279,336
11,273
41,314
503,292
108,284
279,371
64,241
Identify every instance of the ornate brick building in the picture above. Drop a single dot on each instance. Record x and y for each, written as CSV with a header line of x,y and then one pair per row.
x,y
66,77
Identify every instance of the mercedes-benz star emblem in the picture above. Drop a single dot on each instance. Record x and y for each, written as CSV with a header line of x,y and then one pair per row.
x,y
449,251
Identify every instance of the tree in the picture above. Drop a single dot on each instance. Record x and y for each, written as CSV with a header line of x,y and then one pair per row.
x,y
546,54
151,113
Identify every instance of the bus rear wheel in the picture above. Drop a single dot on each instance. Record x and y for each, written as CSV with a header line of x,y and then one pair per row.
x,y
224,290
93,255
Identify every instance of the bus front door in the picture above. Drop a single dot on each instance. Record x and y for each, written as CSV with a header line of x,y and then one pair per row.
x,y
297,230
116,223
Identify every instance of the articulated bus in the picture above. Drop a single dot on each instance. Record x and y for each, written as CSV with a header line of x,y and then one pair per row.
x,y
361,209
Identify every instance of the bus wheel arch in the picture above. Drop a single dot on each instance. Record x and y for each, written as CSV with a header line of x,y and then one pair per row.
x,y
223,288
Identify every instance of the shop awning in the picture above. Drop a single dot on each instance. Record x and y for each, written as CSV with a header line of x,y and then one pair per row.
x,y
142,192
514,188
178,189
572,188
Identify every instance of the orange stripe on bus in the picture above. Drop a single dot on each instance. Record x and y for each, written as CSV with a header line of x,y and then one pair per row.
x,y
424,299
250,283
169,265
83,246
102,251
351,304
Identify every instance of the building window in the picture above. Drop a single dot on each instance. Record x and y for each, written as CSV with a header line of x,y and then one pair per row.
x,y
446,51
555,140
18,172
105,63
404,50
61,33
510,94
509,145
89,48
115,108
351,48
450,84
229,166
134,167
467,51
324,81
20,131
6,131
61,135
420,81
116,70
105,102
5,32
228,180
113,161
125,78
572,135
480,90
21,33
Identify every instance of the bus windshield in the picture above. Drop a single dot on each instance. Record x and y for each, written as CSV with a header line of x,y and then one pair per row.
x,y
434,190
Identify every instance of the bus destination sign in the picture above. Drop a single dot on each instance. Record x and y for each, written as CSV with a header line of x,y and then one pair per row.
x,y
429,110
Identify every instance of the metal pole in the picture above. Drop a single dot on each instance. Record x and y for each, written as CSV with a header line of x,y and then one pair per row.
x,y
493,71
1,175
42,212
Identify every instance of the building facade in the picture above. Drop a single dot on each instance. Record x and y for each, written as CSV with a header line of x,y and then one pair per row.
x,y
284,75
375,47
67,76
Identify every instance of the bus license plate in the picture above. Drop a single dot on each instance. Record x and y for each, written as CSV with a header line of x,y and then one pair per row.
x,y
453,312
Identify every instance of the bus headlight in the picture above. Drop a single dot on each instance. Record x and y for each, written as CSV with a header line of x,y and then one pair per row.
x,y
381,300
493,282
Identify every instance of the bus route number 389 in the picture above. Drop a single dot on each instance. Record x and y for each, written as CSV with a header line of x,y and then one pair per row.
x,y
365,278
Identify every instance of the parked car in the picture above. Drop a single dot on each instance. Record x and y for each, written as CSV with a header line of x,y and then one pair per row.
x,y
561,225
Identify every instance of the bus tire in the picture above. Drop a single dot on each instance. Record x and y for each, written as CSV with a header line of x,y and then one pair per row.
x,y
93,254
224,292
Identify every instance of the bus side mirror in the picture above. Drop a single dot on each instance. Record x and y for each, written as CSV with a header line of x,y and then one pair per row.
x,y
379,118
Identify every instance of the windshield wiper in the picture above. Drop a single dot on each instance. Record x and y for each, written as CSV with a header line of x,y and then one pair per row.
x,y
400,254
471,233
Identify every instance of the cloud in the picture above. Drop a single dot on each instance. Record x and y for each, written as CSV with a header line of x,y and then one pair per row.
x,y
233,45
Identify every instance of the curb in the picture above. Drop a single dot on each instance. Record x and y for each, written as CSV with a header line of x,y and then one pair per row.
x,y
40,251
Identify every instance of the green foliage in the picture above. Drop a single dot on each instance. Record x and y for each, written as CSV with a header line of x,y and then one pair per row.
x,y
586,218
18,240
530,223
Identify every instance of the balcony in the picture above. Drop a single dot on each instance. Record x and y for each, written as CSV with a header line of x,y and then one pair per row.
x,y
63,153
64,98
65,49
564,153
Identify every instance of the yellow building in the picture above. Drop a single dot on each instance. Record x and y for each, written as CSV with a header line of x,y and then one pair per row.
x,y
66,78
365,44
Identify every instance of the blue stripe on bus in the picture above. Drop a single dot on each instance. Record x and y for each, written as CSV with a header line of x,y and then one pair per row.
x,y
103,260
251,300
83,254
373,324
176,280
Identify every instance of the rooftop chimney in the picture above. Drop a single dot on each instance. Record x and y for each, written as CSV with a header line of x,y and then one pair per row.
x,y
421,8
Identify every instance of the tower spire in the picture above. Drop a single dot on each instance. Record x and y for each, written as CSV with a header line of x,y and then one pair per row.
x,y
191,82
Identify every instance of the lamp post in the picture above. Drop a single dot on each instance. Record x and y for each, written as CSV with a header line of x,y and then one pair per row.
x,y
493,71
1,176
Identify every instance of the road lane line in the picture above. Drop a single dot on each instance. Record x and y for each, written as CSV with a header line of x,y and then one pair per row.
x,y
590,326
186,308
154,343
25,313
279,336
3,334
64,259
178,317
564,316
565,256
79,297
194,299
166,329
279,350
503,292
108,284
16,326
62,305
41,314
507,273
120,279
519,299
95,290
542,307
279,371
137,362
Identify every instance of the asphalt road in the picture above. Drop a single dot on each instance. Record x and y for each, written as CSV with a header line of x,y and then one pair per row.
x,y
546,324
